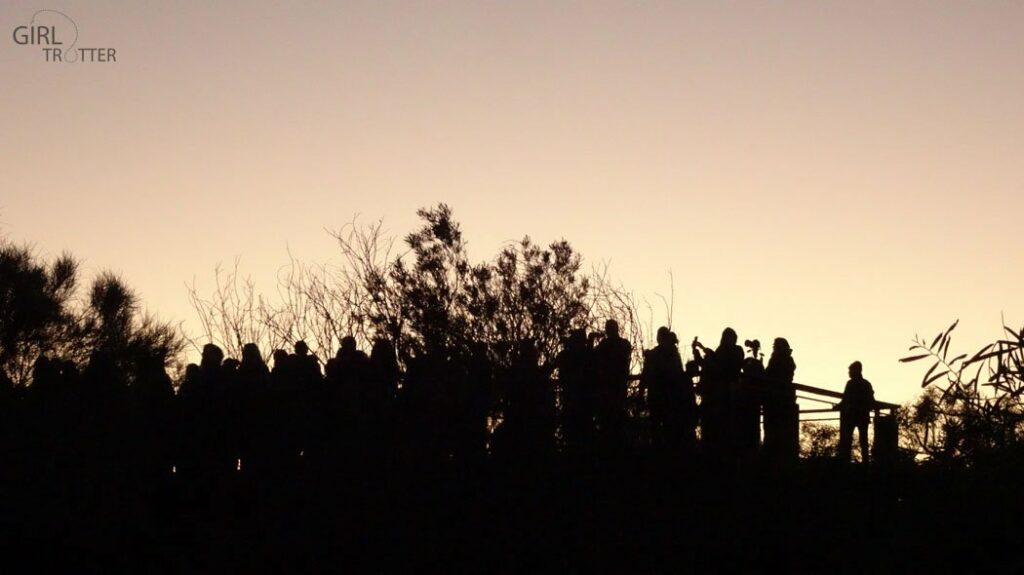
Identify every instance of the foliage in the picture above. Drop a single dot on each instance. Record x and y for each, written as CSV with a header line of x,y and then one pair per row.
x,y
447,303
429,298
114,323
972,409
818,440
35,303
39,314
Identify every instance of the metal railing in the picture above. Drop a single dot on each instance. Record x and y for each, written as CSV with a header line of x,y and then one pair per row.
x,y
883,414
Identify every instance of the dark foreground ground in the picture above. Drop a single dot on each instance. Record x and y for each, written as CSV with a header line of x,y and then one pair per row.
x,y
638,514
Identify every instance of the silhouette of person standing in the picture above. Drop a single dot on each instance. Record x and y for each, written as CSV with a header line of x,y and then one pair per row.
x,y
203,395
345,380
306,366
344,404
612,358
384,372
251,408
781,415
720,374
854,412
530,407
747,402
669,391
152,424
304,371
287,436
574,368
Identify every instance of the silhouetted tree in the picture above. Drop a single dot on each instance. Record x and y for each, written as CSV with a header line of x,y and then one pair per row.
x,y
972,411
819,440
430,298
447,303
39,314
35,307
114,323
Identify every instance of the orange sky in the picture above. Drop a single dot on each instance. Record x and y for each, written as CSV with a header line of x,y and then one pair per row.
x,y
842,174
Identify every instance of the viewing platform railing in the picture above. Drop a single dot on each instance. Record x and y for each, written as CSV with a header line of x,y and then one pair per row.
x,y
885,426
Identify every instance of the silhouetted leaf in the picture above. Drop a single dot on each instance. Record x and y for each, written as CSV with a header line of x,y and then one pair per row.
x,y
978,354
952,327
936,341
984,356
946,393
926,381
933,378
914,358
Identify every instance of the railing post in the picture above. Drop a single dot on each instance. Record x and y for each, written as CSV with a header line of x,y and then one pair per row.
x,y
886,438
791,438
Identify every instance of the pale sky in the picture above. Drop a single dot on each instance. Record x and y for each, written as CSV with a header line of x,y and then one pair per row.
x,y
845,175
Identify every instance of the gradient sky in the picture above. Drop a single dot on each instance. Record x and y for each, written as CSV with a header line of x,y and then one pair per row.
x,y
845,175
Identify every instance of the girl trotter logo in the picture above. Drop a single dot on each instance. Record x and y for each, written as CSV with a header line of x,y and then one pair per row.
x,y
56,34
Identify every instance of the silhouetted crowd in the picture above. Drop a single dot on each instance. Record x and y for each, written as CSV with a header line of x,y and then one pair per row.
x,y
230,415
437,457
